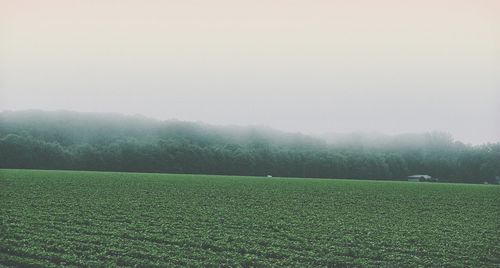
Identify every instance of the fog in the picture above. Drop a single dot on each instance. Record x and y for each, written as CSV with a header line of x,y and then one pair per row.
x,y
302,66
114,142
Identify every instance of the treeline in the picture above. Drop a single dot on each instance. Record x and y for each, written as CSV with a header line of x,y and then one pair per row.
x,y
110,142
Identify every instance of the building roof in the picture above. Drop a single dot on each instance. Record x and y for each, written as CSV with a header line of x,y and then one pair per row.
x,y
419,177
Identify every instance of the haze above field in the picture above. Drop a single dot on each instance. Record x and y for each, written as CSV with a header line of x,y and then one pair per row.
x,y
113,142
309,66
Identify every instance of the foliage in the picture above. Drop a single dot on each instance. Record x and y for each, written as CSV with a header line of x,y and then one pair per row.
x,y
109,142
93,219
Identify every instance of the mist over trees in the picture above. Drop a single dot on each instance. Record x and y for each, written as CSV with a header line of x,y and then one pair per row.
x,y
112,142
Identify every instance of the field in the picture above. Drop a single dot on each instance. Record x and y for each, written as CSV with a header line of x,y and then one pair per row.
x,y
99,219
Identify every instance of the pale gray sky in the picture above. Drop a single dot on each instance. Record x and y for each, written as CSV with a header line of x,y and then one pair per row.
x,y
309,66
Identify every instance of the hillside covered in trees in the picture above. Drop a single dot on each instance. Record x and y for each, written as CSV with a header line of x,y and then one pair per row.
x,y
111,142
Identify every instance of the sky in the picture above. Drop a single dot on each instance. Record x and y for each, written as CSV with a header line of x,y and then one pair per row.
x,y
311,66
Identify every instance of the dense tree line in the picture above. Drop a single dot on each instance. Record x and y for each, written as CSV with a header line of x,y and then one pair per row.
x,y
110,142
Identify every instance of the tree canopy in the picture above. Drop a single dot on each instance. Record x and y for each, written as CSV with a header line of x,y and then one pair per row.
x,y
113,142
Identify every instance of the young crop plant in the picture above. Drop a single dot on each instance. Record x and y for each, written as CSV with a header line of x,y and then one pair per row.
x,y
101,219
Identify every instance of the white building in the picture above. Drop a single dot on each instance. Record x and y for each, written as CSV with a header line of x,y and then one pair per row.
x,y
417,178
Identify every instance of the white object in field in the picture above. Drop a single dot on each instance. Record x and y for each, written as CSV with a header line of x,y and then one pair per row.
x,y
269,176
417,178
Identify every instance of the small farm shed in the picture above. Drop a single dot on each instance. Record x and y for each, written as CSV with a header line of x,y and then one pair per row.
x,y
417,178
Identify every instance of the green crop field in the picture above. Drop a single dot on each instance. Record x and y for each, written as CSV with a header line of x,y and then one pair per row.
x,y
63,218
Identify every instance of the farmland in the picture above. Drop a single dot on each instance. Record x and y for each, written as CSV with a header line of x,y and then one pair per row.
x,y
53,218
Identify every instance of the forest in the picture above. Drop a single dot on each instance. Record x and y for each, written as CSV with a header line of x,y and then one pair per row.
x,y
112,142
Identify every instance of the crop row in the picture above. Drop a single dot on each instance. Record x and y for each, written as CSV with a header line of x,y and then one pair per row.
x,y
51,218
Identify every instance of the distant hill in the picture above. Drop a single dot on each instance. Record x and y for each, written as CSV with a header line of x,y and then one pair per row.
x,y
92,141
